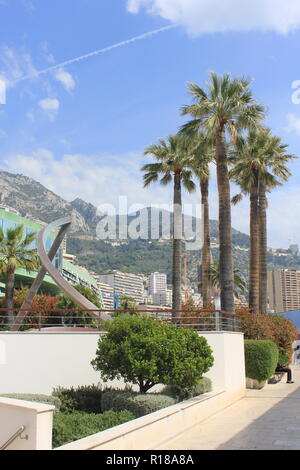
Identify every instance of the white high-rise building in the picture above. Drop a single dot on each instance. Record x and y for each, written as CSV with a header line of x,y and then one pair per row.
x,y
157,282
127,284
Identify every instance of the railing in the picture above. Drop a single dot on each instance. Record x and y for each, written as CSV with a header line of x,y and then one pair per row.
x,y
44,319
14,437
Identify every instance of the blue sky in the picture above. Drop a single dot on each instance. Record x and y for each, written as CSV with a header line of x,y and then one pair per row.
x,y
81,129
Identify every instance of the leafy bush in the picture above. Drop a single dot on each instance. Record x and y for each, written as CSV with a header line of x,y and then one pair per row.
x,y
146,352
77,317
139,404
85,398
271,327
76,425
47,399
284,334
261,358
40,309
204,386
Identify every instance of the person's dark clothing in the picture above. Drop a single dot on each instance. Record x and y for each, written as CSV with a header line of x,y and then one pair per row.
x,y
281,368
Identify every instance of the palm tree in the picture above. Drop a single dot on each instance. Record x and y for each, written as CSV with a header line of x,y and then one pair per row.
x,y
15,252
224,110
201,156
239,283
278,158
259,164
172,158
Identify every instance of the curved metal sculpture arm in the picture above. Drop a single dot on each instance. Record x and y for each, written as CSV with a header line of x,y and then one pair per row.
x,y
46,261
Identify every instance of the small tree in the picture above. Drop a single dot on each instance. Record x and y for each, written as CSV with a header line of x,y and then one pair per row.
x,y
127,305
76,317
16,251
143,351
40,310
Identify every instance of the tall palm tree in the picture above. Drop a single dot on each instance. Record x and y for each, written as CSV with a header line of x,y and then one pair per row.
x,y
278,158
223,111
201,156
259,164
15,252
172,164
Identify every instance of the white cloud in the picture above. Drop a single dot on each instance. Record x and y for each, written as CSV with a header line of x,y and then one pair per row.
x,y
15,64
50,106
293,123
66,79
210,16
98,179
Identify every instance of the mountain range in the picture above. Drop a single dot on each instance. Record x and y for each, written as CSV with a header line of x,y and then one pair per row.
x,y
33,200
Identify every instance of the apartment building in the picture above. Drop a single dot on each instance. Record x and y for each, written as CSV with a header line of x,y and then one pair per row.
x,y
157,282
127,284
284,290
107,295
163,297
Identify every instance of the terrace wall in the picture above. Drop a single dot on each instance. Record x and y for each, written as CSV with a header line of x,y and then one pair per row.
x,y
36,362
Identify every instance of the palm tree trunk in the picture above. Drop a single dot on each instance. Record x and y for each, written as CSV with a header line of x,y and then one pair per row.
x,y
225,231
205,255
9,294
177,245
263,270
254,252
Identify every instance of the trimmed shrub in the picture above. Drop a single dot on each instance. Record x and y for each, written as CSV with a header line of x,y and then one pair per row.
x,y
47,399
204,386
85,398
139,404
271,327
261,358
70,427
147,352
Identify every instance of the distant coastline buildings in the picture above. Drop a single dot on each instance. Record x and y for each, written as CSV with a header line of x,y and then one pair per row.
x,y
124,284
284,290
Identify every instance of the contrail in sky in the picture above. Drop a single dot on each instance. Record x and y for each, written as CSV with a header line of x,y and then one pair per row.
x,y
91,54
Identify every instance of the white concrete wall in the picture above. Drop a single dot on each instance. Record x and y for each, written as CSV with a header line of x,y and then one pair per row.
x,y
38,362
37,419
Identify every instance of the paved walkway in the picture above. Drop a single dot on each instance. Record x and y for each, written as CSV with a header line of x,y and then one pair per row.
x,y
267,419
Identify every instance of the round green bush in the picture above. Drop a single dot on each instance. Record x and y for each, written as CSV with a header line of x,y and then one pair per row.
x,y
261,358
146,352
76,425
184,393
139,404
83,398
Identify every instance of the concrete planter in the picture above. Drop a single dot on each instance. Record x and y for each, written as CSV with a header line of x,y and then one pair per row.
x,y
252,383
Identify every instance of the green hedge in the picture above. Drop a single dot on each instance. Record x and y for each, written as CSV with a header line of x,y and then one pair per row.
x,y
47,399
76,425
261,358
139,404
204,386
85,398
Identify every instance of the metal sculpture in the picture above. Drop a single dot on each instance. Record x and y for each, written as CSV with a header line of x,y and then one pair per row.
x,y
63,225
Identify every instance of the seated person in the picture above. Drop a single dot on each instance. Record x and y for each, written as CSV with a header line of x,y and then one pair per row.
x,y
282,368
